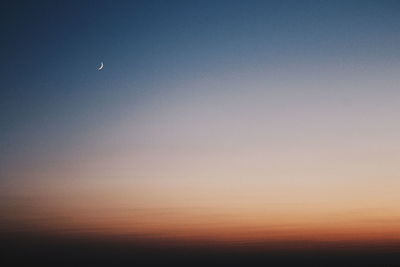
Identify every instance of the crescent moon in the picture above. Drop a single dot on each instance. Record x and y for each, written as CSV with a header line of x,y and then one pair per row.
x,y
101,66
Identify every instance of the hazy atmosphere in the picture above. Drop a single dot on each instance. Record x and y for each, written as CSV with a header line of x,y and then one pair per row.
x,y
232,122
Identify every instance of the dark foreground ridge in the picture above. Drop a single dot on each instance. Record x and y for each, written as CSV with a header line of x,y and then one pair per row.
x,y
69,251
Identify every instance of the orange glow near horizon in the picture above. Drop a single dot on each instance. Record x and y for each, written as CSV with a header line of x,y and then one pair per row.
x,y
233,215
199,167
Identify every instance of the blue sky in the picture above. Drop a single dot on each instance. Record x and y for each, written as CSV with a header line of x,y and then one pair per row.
x,y
303,91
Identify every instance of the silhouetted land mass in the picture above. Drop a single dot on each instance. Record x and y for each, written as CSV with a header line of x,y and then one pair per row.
x,y
22,250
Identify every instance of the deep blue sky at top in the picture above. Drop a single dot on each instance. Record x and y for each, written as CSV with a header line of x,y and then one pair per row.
x,y
50,50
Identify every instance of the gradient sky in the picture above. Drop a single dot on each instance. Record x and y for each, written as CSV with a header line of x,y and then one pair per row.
x,y
221,120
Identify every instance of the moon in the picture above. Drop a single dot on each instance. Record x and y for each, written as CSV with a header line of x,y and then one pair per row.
x,y
101,66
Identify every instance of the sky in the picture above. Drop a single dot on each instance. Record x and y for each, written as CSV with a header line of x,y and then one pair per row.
x,y
232,121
